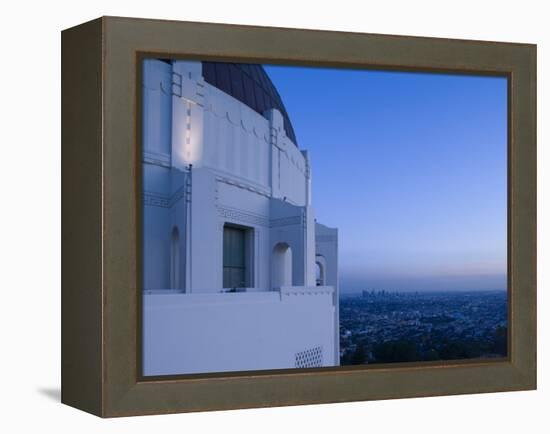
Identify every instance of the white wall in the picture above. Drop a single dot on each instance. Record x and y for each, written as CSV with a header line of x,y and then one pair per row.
x,y
326,253
236,139
157,112
237,331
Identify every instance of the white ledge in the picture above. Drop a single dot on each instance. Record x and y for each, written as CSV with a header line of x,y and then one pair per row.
x,y
306,290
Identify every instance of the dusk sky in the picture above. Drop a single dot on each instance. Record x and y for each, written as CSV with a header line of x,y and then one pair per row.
x,y
411,168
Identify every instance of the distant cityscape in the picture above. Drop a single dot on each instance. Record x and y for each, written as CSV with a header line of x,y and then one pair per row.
x,y
378,326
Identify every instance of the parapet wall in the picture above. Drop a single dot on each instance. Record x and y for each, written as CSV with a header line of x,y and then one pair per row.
x,y
217,332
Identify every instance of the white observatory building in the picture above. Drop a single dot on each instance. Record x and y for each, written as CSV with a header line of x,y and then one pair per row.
x,y
237,273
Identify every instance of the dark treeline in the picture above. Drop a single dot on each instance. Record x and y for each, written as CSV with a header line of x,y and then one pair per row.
x,y
429,349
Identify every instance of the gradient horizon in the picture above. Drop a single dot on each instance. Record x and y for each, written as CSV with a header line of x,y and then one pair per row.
x,y
411,168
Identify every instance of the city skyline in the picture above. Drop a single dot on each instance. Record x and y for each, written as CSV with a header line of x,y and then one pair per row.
x,y
412,169
386,327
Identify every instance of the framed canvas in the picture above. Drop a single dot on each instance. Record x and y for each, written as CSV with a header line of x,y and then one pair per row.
x,y
261,216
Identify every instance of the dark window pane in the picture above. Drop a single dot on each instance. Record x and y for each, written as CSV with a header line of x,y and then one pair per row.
x,y
234,259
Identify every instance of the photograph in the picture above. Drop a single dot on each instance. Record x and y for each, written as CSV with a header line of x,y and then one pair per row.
x,y
296,217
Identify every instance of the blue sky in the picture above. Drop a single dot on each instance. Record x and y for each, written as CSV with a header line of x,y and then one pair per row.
x,y
411,168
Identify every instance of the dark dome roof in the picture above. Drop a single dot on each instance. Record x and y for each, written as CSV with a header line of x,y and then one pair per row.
x,y
251,85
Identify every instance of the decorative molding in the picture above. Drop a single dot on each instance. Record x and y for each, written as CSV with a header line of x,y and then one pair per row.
x,y
286,221
220,112
156,158
306,290
242,216
251,218
155,199
163,201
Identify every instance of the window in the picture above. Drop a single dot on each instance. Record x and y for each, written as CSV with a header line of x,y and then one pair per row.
x,y
235,257
320,267
318,274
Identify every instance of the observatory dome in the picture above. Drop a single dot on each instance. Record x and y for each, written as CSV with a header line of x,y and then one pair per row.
x,y
250,84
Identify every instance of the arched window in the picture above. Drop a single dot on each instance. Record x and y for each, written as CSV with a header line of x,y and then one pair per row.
x,y
175,259
320,270
281,266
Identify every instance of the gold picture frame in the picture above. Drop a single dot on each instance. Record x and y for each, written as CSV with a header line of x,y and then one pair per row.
x,y
101,216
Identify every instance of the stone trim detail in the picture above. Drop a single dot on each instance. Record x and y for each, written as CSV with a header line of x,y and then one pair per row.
x,y
286,221
160,200
250,218
241,216
155,199
156,159
294,291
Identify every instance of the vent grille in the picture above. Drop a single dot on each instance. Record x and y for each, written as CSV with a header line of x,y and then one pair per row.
x,y
311,358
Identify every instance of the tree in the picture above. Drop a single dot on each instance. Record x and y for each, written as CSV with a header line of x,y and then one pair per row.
x,y
431,354
396,351
360,355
